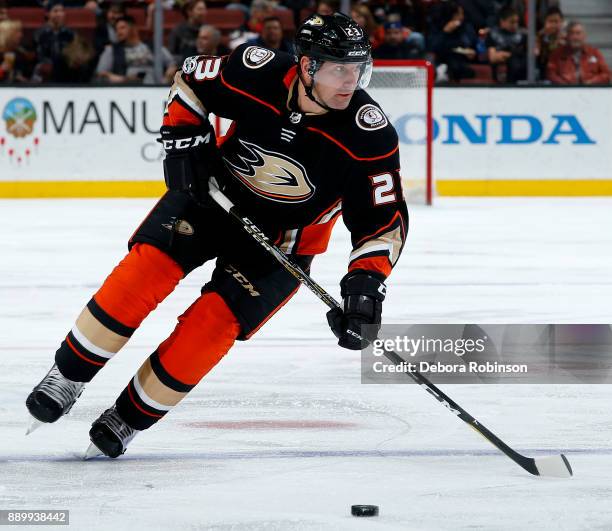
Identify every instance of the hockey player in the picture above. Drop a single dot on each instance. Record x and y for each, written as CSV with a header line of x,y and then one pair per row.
x,y
306,144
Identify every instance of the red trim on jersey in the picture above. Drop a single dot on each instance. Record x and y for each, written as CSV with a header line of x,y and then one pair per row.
x,y
380,264
255,98
179,115
290,76
341,145
370,236
224,138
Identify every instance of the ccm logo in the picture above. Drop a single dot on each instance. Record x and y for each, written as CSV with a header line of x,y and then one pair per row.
x,y
186,143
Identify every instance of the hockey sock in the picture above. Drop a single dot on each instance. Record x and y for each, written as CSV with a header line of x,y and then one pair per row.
x,y
144,278
203,335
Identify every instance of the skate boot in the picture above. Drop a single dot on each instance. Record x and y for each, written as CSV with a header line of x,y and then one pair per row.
x,y
109,435
53,397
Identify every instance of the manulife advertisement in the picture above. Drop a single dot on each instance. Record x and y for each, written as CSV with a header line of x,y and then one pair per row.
x,y
101,142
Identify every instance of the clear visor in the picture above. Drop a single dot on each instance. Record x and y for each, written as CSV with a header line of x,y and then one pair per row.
x,y
343,78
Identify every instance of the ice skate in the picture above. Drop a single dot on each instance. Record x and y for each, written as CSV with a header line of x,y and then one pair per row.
x,y
52,398
109,435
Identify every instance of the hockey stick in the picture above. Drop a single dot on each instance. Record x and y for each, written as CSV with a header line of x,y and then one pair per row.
x,y
551,466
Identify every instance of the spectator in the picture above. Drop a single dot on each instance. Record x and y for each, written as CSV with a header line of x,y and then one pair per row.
x,y
479,13
51,39
131,60
78,62
16,63
507,45
414,38
550,37
3,12
105,27
208,42
183,36
542,7
577,63
361,14
396,46
327,7
453,40
272,36
260,10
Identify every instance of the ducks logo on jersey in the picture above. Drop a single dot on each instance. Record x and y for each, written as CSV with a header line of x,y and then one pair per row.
x,y
271,175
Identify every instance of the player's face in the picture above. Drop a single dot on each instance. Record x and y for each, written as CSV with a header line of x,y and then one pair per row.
x,y
335,83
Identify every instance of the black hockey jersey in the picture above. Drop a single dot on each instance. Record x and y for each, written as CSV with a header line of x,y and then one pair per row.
x,y
295,173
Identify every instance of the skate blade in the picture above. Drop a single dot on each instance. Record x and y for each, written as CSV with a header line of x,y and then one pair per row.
x,y
92,451
34,425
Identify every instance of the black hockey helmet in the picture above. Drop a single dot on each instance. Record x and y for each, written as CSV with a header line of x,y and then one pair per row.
x,y
335,39
332,38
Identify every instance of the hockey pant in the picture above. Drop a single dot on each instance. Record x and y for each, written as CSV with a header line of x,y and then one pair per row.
x,y
247,287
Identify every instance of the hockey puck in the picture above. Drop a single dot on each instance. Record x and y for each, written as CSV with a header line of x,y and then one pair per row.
x,y
364,510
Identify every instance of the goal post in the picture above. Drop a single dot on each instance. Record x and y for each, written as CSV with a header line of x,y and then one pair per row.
x,y
404,90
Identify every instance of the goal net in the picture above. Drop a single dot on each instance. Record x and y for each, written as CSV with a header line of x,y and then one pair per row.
x,y
404,91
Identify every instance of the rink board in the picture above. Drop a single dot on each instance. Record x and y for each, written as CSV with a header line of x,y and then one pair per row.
x,y
100,142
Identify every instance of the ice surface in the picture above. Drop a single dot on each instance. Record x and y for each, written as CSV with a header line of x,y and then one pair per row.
x,y
281,435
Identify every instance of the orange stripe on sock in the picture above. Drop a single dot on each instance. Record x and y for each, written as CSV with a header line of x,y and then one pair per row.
x,y
82,356
129,390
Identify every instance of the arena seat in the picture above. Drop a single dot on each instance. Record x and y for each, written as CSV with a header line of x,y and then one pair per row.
x,y
139,15
80,18
225,19
30,16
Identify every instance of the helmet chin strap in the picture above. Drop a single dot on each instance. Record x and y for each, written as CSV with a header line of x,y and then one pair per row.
x,y
312,69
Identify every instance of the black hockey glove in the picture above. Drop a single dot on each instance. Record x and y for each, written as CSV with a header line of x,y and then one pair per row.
x,y
362,296
191,159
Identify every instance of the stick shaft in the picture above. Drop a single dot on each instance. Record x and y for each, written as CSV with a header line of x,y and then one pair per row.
x,y
303,277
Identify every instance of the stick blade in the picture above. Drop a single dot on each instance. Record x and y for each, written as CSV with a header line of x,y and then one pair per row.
x,y
555,466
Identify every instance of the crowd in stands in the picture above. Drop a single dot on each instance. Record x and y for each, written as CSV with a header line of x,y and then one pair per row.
x,y
80,41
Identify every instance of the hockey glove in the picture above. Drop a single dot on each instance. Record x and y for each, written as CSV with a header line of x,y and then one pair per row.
x,y
191,159
362,297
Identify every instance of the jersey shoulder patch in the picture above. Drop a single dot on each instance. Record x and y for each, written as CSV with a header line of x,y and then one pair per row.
x,y
370,117
256,57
